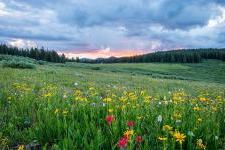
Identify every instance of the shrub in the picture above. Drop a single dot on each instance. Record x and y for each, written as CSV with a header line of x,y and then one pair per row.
x,y
17,64
40,62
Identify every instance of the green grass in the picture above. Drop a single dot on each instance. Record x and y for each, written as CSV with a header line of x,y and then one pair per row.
x,y
60,106
209,71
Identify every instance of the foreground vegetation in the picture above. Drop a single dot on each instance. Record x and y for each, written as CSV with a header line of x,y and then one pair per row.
x,y
113,106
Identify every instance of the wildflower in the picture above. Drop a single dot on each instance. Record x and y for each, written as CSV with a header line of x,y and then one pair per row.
x,y
103,104
190,133
107,100
178,121
167,128
21,147
109,119
200,144
65,112
214,109
196,108
142,93
128,133
64,96
130,123
203,99
216,137
159,118
122,143
139,117
161,138
139,139
199,119
110,110
56,111
177,116
93,104
179,137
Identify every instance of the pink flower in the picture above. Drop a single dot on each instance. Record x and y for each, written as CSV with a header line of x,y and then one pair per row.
x,y
139,139
130,123
109,119
122,143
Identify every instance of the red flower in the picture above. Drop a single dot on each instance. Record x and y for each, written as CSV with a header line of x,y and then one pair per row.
x,y
139,139
122,143
130,123
109,119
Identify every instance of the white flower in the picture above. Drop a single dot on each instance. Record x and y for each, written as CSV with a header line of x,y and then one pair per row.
x,y
190,133
159,118
75,84
93,104
103,104
216,137
160,103
178,121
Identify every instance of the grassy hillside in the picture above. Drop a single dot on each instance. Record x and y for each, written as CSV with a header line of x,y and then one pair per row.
x,y
208,71
68,106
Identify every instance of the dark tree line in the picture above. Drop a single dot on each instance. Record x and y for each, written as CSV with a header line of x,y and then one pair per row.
x,y
172,56
35,53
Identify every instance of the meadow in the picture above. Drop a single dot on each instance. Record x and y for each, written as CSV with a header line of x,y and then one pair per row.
x,y
112,106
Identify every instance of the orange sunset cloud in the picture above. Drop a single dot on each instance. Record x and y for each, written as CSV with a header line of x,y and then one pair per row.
x,y
104,53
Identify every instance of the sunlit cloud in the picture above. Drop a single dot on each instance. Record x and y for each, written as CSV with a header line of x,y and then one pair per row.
x,y
102,53
20,43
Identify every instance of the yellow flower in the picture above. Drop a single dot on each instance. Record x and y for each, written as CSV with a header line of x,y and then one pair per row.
x,y
162,138
214,109
123,107
65,112
128,133
123,99
200,144
139,117
91,88
21,147
177,116
107,99
202,99
56,111
110,110
179,137
199,119
167,128
142,93
47,94
196,108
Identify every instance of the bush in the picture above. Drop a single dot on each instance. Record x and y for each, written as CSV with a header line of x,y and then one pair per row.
x,y
17,64
40,62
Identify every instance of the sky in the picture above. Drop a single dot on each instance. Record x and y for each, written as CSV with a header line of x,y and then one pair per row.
x,y
104,28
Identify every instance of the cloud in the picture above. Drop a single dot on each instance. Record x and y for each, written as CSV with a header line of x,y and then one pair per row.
x,y
22,43
113,25
101,53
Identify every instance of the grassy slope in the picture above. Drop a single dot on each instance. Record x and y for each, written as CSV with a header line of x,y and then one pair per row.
x,y
208,71
154,77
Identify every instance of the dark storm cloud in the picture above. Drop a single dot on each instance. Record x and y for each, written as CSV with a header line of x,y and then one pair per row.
x,y
132,24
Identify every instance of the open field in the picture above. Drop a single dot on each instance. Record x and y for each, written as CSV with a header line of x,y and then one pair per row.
x,y
113,106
